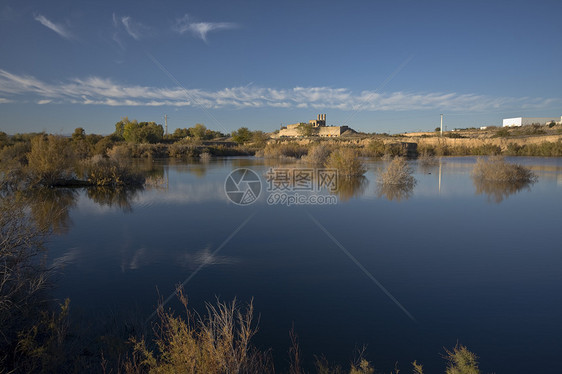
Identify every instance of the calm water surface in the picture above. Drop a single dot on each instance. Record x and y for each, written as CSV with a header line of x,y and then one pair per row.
x,y
480,265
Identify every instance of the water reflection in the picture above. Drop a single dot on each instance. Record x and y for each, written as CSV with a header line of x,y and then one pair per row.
x,y
119,197
498,191
130,259
204,257
148,168
428,167
187,258
198,170
50,207
395,192
348,188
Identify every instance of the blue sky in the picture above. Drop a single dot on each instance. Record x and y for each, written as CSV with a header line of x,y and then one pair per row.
x,y
378,66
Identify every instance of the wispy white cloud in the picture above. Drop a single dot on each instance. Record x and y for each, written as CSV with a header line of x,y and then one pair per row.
x,y
58,28
5,101
44,101
100,91
200,29
133,28
124,26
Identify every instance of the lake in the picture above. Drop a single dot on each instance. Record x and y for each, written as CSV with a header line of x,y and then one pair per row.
x,y
405,273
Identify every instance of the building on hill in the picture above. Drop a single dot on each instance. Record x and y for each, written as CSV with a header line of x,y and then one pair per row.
x,y
522,121
318,128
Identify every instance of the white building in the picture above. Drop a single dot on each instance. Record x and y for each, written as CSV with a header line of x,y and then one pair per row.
x,y
521,121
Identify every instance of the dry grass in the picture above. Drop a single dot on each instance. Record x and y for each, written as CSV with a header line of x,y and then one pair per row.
x,y
21,277
498,191
41,347
397,173
108,172
205,157
417,368
23,281
374,148
284,150
461,361
317,154
120,152
496,169
347,162
50,159
395,149
183,150
387,157
217,343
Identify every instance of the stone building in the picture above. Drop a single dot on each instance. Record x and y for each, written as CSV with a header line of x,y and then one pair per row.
x,y
319,124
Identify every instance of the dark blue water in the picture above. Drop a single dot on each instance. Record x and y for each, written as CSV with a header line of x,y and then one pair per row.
x,y
405,274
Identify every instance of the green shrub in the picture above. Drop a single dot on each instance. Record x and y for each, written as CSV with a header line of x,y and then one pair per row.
x,y
242,135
